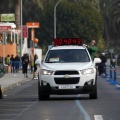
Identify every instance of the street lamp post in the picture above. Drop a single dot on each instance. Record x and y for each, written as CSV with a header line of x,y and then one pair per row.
x,y
21,31
55,18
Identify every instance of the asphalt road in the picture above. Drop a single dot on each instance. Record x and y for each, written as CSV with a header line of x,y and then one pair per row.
x,y
21,103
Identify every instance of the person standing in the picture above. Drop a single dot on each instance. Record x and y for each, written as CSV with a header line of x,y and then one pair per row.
x,y
22,58
92,48
25,61
12,59
17,63
31,63
1,59
35,67
7,60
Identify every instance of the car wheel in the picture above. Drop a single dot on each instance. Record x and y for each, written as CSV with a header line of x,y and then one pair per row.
x,y
94,94
41,94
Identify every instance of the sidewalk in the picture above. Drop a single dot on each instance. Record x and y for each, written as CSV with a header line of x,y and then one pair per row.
x,y
10,80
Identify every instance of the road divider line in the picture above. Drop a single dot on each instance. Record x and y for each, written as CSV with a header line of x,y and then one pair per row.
x,y
98,117
86,116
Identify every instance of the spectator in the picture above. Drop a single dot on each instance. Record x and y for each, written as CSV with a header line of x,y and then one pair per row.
x,y
112,61
92,48
35,67
7,60
103,64
35,58
12,59
31,63
1,59
17,63
25,61
22,58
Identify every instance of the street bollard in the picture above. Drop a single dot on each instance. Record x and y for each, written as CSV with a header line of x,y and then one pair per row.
x,y
114,81
114,73
111,71
1,97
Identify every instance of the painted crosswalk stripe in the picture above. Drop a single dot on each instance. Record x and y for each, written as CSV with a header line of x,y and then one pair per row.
x,y
98,117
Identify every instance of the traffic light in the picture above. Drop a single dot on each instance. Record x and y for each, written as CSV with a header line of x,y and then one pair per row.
x,y
0,36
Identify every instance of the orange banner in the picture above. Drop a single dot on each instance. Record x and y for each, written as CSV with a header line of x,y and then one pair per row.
x,y
33,24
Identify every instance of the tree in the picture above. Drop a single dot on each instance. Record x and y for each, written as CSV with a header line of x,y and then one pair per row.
x,y
17,13
73,20
110,12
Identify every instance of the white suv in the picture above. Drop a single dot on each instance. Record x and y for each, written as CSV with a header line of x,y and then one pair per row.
x,y
67,70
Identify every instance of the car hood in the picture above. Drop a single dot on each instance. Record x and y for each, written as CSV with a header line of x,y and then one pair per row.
x,y
66,66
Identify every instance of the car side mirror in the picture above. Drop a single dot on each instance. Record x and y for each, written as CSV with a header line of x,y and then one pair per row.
x,y
96,60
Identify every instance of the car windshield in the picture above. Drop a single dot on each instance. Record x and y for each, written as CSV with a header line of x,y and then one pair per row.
x,y
67,55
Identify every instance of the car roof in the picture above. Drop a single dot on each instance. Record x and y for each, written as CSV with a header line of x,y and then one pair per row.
x,y
67,47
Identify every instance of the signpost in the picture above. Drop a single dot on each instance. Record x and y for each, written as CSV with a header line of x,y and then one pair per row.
x,y
4,28
111,51
24,31
7,17
33,24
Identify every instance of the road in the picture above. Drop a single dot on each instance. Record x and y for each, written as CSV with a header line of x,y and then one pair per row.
x,y
21,103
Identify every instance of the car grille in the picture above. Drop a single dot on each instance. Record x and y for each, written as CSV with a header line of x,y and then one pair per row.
x,y
66,72
70,80
73,80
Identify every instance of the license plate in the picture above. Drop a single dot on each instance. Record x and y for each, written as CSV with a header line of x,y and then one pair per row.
x,y
66,87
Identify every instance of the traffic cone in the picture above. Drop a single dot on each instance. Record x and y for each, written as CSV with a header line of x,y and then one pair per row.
x,y
1,97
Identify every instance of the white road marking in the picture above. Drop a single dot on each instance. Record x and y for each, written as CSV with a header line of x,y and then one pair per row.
x,y
86,116
98,117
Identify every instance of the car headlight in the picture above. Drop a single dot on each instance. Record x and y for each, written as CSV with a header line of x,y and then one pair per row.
x,y
46,72
87,71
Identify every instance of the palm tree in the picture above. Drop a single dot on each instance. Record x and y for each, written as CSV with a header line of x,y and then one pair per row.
x,y
114,11
26,6
17,13
110,10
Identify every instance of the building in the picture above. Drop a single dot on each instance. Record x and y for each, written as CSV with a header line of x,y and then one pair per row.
x,y
9,38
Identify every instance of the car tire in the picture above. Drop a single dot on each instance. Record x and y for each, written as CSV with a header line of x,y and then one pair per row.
x,y
94,94
41,94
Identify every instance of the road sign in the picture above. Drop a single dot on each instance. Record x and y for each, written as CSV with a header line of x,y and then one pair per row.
x,y
2,28
33,24
24,31
116,56
111,50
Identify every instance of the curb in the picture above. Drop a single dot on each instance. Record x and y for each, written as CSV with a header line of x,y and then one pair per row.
x,y
14,85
